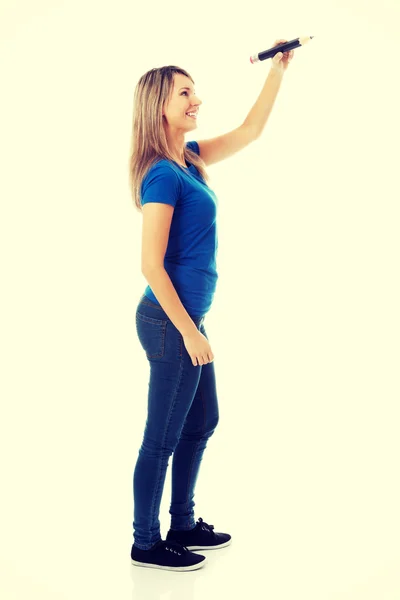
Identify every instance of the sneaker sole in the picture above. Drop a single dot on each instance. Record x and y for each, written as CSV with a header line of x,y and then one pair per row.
x,y
199,548
167,568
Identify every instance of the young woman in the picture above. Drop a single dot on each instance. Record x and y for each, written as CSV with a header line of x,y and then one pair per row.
x,y
179,246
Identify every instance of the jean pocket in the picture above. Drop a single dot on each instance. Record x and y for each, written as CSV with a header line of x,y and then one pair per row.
x,y
151,334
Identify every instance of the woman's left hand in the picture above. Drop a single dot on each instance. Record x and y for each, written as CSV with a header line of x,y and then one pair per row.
x,y
281,62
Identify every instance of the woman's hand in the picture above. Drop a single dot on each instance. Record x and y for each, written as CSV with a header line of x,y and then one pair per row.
x,y
198,348
280,62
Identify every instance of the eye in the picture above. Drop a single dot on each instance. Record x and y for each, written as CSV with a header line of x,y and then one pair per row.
x,y
183,93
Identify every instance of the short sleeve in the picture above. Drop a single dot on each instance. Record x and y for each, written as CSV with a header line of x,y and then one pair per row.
x,y
193,145
161,184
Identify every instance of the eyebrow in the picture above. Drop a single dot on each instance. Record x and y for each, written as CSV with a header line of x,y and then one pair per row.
x,y
184,88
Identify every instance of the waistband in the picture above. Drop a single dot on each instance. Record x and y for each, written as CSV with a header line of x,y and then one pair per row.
x,y
144,300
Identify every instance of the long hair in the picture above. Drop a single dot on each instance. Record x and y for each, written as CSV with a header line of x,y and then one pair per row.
x,y
149,142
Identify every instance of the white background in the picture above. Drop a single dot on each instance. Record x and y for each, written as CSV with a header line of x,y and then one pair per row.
x,y
303,467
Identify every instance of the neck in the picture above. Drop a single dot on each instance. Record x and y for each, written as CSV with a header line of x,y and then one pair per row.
x,y
176,144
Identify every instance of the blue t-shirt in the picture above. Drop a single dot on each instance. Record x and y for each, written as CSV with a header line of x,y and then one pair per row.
x,y
190,258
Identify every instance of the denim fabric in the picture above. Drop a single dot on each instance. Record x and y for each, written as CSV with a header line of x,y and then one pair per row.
x,y
182,414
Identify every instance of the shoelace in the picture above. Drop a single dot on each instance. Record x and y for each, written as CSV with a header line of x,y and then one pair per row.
x,y
176,546
206,525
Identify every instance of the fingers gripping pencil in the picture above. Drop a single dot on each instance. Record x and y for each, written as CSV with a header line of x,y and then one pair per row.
x,y
287,46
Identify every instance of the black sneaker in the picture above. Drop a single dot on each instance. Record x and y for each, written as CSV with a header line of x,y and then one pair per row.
x,y
170,556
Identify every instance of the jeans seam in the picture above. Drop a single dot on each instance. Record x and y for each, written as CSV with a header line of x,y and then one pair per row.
x,y
173,403
190,474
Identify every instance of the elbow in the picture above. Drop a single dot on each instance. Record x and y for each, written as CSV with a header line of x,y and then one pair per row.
x,y
149,268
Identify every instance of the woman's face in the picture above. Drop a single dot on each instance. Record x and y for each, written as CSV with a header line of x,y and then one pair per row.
x,y
181,102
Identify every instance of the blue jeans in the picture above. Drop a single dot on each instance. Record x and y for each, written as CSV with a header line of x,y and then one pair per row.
x,y
182,414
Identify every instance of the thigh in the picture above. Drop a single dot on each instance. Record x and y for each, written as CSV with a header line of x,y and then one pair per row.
x,y
173,378
203,415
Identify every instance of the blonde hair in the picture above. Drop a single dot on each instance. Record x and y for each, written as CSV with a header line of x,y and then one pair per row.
x,y
149,142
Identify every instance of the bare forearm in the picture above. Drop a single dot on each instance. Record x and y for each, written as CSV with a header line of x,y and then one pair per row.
x,y
261,110
164,290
